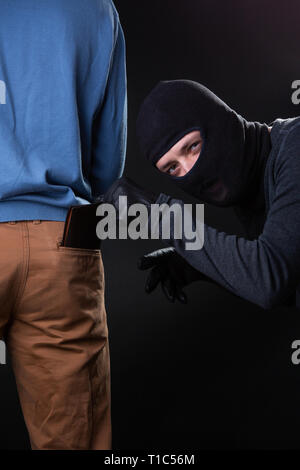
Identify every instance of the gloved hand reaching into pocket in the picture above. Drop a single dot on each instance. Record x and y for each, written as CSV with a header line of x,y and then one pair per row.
x,y
167,266
124,186
171,270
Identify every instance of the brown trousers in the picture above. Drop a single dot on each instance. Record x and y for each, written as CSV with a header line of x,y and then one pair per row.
x,y
53,320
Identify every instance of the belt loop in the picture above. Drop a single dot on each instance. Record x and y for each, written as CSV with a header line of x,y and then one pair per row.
x,y
59,242
35,222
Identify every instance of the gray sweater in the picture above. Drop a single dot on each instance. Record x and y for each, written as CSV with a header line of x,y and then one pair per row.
x,y
265,269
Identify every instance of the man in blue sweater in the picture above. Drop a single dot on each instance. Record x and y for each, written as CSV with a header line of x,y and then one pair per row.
x,y
63,114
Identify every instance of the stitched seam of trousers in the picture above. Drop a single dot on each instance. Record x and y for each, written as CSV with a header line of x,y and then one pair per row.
x,y
92,407
25,263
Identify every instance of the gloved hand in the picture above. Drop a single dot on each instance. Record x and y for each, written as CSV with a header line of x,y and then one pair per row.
x,y
126,187
171,270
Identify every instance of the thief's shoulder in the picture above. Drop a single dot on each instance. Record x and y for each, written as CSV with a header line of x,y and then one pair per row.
x,y
281,127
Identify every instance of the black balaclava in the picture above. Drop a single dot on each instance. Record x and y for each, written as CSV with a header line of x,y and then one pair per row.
x,y
234,150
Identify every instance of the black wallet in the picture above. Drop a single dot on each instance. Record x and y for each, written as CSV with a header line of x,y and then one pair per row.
x,y
80,227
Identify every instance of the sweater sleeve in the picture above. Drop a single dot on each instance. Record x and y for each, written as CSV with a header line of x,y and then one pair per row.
x,y
266,270
110,122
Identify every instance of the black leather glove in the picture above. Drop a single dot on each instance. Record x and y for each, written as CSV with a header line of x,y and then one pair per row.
x,y
126,187
171,270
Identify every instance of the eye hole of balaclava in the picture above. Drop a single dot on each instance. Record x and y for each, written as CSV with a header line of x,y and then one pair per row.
x,y
182,156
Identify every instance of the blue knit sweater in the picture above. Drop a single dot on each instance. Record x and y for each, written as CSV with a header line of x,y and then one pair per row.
x,y
63,106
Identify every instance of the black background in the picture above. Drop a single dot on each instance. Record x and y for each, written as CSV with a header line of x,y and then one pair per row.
x,y
216,373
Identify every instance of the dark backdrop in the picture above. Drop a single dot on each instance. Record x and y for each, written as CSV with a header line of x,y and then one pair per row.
x,y
216,373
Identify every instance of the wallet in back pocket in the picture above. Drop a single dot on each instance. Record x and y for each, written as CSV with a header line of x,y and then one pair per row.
x,y
80,227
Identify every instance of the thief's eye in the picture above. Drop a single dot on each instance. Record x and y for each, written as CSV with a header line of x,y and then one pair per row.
x,y
172,168
195,145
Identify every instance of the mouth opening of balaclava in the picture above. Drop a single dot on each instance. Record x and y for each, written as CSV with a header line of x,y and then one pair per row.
x,y
234,150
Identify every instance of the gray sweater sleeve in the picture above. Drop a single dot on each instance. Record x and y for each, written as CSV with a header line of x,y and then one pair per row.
x,y
266,270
